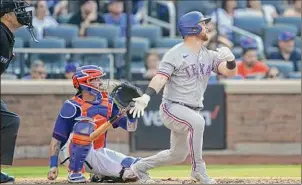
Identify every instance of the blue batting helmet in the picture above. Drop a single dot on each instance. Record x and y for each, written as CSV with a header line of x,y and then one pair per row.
x,y
188,23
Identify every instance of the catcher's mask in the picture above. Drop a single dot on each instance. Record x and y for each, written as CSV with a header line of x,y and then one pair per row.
x,y
23,12
88,78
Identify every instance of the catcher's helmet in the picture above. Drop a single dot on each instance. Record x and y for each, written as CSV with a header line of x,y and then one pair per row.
x,y
188,23
83,75
22,10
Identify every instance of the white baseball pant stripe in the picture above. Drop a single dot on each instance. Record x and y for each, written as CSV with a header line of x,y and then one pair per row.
x,y
191,133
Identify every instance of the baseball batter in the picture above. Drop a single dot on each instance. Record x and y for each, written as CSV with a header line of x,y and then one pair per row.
x,y
184,71
90,108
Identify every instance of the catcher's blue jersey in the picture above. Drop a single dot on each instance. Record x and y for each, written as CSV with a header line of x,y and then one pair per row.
x,y
76,107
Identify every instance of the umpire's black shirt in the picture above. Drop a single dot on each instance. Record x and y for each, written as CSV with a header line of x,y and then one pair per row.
x,y
7,42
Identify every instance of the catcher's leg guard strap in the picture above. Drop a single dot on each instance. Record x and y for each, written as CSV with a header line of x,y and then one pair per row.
x,y
80,145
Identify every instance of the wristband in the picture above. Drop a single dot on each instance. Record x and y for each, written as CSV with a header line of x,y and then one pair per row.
x,y
53,160
150,91
231,65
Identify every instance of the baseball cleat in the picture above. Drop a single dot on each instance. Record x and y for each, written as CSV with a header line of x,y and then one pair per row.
x,y
6,179
203,178
76,178
129,175
142,175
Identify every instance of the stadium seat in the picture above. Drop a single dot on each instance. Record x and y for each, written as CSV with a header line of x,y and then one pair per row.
x,y
93,59
139,46
168,42
151,32
284,67
54,62
254,76
271,34
294,21
242,4
298,43
63,31
294,75
245,22
213,79
205,6
300,65
278,4
23,34
237,51
15,64
237,77
63,19
109,32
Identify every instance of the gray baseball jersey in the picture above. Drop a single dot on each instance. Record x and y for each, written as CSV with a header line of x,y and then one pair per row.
x,y
188,74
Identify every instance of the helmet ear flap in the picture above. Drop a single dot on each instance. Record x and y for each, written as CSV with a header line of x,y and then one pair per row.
x,y
76,83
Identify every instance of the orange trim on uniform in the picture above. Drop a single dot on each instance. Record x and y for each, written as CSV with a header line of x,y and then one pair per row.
x,y
81,139
98,119
84,105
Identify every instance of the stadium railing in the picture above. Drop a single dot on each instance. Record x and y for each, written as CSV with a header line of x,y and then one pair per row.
x,y
257,38
111,52
172,17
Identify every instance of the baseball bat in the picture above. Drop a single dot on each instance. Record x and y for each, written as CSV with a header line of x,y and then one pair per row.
x,y
103,128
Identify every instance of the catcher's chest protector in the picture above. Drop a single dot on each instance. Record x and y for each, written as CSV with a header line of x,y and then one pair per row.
x,y
100,113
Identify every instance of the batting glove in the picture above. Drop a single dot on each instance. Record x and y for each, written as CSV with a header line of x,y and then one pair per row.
x,y
139,106
225,54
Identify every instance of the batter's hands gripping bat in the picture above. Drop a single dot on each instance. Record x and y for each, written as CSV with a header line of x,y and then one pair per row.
x,y
122,96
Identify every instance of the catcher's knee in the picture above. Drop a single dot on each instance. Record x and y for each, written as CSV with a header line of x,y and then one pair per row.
x,y
80,145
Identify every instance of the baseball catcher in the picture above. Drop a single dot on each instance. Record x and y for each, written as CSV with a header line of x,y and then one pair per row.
x,y
79,135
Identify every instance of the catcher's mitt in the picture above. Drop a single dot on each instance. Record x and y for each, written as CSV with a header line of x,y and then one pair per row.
x,y
124,93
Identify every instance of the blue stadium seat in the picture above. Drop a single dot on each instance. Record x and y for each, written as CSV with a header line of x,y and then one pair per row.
x,y
63,19
213,79
271,34
14,66
254,76
242,4
294,75
54,62
23,34
204,6
298,43
139,46
284,67
237,51
300,65
109,32
92,59
278,4
151,32
294,21
252,24
63,31
168,42
237,77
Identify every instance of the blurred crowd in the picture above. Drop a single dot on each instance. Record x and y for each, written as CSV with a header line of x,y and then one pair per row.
x,y
83,13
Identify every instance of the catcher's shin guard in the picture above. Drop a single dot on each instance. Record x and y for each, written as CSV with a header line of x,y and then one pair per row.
x,y
80,145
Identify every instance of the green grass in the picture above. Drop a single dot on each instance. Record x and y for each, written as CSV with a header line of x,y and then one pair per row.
x,y
184,171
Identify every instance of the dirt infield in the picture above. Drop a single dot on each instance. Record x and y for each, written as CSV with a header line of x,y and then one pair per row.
x,y
180,181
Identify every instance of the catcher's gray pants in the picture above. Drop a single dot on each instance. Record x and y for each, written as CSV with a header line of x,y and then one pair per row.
x,y
187,128
9,128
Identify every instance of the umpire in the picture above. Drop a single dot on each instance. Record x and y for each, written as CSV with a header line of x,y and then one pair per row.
x,y
13,15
